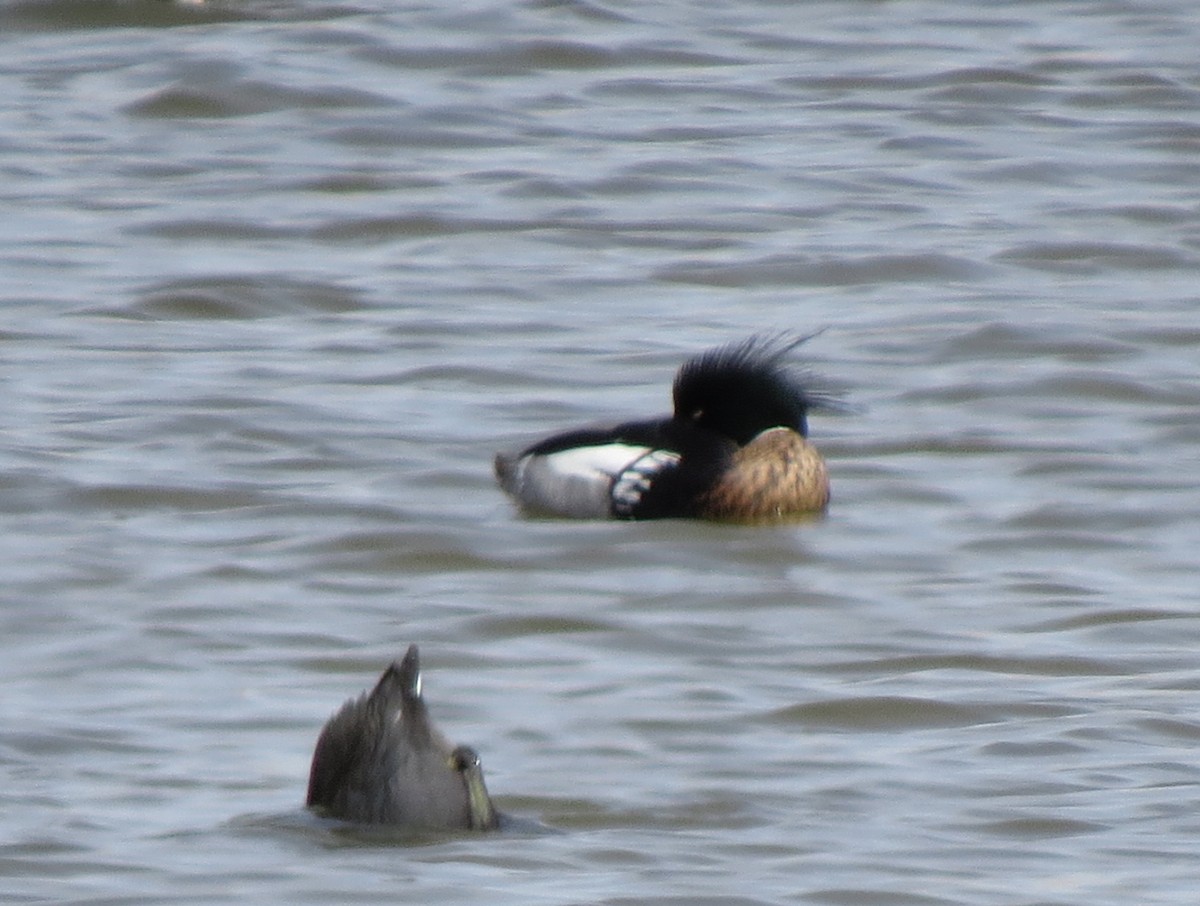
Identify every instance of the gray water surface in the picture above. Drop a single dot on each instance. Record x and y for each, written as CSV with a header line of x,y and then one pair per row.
x,y
278,279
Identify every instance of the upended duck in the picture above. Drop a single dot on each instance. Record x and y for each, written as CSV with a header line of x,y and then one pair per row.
x,y
735,448
380,760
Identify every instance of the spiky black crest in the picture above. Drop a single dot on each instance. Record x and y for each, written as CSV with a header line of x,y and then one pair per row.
x,y
742,389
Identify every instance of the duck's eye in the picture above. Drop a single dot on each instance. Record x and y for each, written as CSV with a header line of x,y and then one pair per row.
x,y
463,758
697,415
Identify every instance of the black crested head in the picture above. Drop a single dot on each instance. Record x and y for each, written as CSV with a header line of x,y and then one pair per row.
x,y
742,389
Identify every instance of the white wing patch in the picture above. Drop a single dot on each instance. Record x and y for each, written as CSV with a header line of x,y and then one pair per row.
x,y
633,483
575,482
607,460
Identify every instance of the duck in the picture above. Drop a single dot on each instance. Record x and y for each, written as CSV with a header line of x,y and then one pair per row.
x,y
380,760
734,449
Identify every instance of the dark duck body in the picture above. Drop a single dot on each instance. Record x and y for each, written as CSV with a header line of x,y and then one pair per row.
x,y
380,760
735,449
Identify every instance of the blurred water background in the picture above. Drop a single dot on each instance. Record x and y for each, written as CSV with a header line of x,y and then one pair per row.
x,y
278,278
